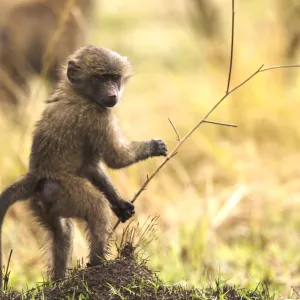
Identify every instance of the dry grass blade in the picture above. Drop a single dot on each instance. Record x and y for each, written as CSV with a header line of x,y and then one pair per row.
x,y
6,276
145,233
228,207
135,237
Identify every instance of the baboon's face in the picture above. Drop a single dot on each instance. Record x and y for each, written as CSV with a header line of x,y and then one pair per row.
x,y
104,89
98,74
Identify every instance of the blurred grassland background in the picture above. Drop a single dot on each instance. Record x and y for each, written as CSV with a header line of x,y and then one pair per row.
x,y
229,201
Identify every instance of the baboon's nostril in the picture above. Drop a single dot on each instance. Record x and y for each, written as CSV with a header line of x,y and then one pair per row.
x,y
112,98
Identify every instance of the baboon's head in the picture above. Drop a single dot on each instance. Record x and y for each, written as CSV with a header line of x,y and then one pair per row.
x,y
98,74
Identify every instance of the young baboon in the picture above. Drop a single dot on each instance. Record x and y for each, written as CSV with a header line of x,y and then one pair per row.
x,y
26,36
76,132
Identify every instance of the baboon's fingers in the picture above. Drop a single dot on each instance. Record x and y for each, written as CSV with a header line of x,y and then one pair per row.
x,y
124,211
158,148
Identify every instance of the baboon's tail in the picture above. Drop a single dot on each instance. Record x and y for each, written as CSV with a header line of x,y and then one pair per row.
x,y
21,189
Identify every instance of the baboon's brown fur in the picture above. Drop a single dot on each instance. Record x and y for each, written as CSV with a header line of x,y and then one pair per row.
x,y
76,132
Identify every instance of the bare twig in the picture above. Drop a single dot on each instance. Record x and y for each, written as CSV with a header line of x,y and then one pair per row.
x,y
210,111
204,119
178,136
187,135
246,80
231,47
280,67
219,123
149,178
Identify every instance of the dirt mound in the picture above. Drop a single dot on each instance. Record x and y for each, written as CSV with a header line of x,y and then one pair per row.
x,y
122,278
101,282
128,277
125,278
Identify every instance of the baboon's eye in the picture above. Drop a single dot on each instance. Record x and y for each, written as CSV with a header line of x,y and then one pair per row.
x,y
99,76
106,77
112,77
115,77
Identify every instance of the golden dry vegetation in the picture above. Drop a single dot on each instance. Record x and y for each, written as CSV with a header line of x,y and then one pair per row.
x,y
229,200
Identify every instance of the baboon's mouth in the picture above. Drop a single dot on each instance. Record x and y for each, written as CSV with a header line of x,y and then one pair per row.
x,y
110,103
107,104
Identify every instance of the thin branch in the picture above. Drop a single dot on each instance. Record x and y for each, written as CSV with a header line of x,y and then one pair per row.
x,y
219,123
212,109
280,67
231,47
189,133
149,178
204,119
246,80
174,151
171,155
178,136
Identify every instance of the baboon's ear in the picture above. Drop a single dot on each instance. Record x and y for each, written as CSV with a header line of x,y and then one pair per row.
x,y
74,72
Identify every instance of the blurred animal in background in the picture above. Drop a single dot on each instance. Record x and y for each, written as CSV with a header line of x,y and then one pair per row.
x,y
289,13
76,132
205,19
35,38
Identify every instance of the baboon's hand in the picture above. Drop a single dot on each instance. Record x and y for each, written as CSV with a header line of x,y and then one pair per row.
x,y
158,148
124,210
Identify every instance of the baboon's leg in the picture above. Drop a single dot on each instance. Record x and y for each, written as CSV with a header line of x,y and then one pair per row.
x,y
61,231
77,198
92,206
62,247
98,224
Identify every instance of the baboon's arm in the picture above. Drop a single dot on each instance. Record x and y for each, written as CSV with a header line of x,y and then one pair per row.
x,y
120,153
101,180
